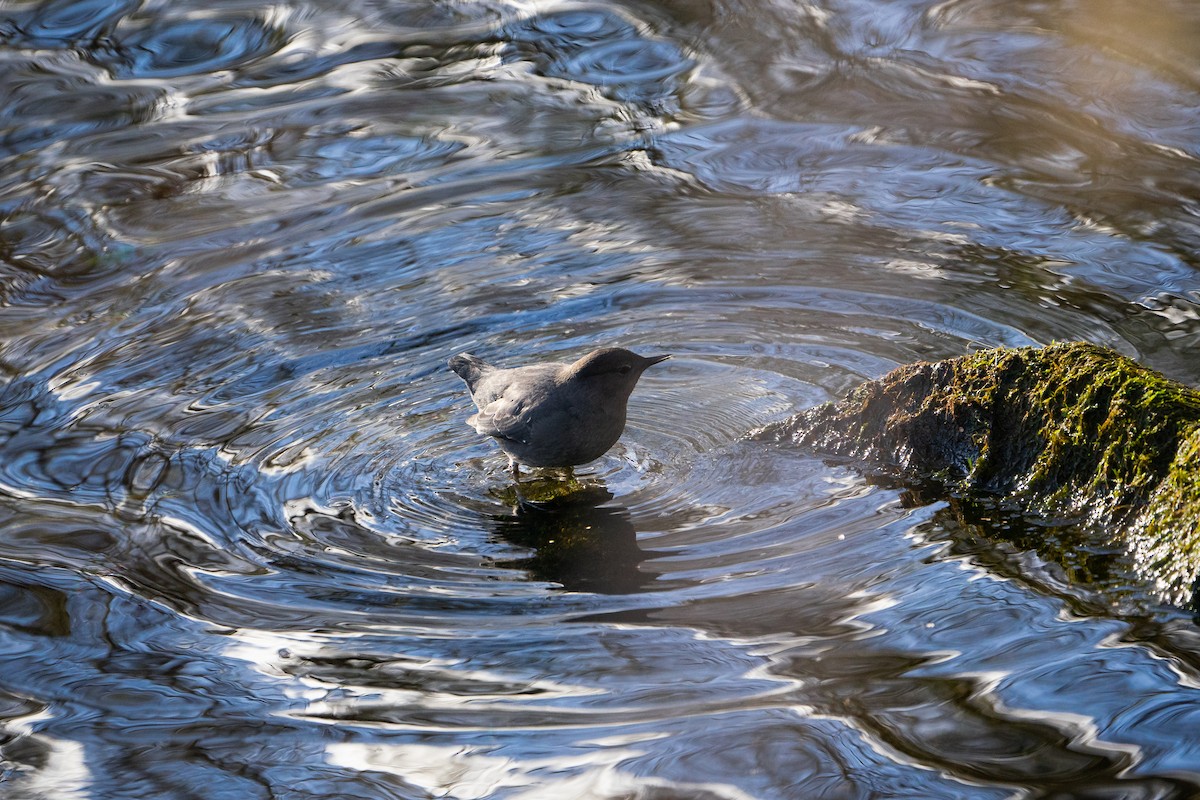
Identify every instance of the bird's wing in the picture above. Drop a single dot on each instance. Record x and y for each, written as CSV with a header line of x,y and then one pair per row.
x,y
503,418
511,401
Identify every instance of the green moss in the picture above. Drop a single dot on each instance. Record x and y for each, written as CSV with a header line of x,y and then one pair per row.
x,y
1167,532
1070,429
552,487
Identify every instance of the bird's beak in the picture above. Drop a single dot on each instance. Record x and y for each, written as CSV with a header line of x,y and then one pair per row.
x,y
652,360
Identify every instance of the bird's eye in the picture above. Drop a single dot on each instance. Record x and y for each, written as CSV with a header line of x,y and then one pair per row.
x,y
625,369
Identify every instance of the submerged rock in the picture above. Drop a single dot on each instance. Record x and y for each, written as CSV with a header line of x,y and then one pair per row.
x,y
1069,430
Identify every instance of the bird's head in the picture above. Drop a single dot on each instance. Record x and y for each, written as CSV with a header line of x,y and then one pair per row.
x,y
614,368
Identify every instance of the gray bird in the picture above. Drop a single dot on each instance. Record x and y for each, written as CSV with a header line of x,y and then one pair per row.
x,y
553,415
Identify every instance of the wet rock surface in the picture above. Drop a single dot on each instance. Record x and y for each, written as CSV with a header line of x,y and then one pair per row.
x,y
1070,430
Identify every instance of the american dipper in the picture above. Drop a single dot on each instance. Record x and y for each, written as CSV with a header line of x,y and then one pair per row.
x,y
553,415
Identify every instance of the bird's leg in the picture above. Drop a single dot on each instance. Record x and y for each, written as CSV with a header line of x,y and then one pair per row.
x,y
515,468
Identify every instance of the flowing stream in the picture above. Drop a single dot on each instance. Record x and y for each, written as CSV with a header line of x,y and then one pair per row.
x,y
249,547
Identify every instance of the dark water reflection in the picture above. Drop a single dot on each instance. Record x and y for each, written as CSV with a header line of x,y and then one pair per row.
x,y
577,541
248,547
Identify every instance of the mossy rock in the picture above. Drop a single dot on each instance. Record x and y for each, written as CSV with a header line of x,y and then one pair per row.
x,y
1069,430
553,488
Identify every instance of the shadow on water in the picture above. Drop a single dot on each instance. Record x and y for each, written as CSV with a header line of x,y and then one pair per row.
x,y
577,541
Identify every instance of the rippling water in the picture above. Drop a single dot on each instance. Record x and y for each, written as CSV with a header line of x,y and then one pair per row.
x,y
250,549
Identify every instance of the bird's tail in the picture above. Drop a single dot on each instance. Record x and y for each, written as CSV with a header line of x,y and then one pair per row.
x,y
470,368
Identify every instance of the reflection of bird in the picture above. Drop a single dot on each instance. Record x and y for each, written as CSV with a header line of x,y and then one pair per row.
x,y
553,415
580,544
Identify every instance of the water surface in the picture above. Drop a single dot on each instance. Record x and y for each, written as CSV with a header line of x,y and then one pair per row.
x,y
250,549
